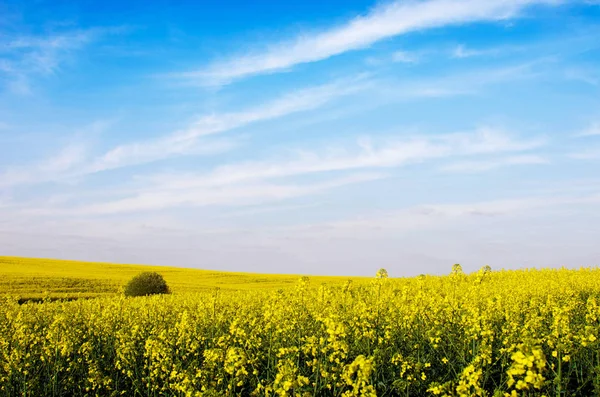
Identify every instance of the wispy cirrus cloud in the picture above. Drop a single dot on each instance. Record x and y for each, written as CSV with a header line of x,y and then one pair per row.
x,y
149,151
592,130
26,56
259,192
589,152
474,166
382,22
76,160
50,169
468,83
42,54
462,51
586,154
189,140
581,41
430,216
405,57
200,137
364,155
250,182
195,139
67,161
588,75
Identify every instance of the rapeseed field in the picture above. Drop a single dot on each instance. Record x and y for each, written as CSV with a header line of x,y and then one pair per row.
x,y
31,278
505,333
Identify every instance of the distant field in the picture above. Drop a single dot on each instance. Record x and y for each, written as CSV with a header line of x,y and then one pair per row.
x,y
36,278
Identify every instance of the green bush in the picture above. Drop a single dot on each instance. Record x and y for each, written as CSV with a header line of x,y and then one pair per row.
x,y
147,283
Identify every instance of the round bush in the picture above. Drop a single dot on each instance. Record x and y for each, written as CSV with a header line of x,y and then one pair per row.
x,y
147,283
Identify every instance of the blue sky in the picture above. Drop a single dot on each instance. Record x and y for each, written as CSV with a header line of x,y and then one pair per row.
x,y
302,137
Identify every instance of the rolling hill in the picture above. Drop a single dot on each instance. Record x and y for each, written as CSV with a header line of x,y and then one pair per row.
x,y
33,278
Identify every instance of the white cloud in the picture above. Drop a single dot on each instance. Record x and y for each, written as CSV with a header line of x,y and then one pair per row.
x,y
187,141
436,215
50,169
74,160
417,217
69,161
382,22
388,154
475,166
159,149
245,183
245,194
460,84
43,54
586,75
461,51
405,57
586,154
28,56
193,140
592,130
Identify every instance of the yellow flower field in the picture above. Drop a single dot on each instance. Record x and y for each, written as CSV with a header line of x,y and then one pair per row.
x,y
38,278
505,333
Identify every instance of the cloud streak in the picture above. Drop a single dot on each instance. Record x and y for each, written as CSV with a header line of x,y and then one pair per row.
x,y
461,51
250,182
592,130
28,56
50,169
488,165
196,139
366,155
587,154
382,22
245,194
189,140
436,215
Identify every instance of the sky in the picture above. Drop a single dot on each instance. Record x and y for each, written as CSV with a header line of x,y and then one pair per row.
x,y
309,137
